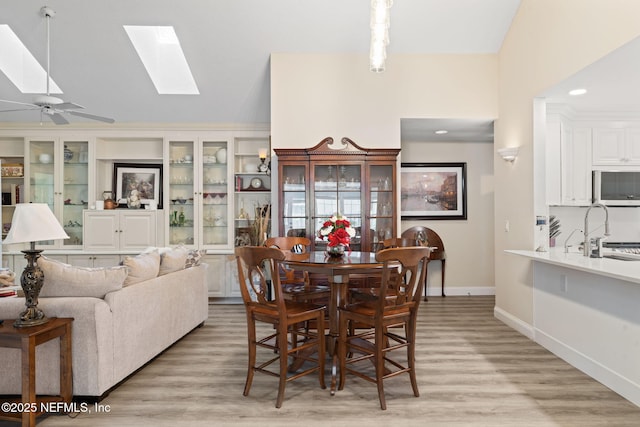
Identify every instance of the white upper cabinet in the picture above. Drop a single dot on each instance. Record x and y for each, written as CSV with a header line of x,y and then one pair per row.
x,y
616,147
568,163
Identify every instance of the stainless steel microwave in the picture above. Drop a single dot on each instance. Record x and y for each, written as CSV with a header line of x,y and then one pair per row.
x,y
616,188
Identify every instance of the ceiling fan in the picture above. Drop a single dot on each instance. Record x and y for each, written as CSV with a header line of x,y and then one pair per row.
x,y
51,106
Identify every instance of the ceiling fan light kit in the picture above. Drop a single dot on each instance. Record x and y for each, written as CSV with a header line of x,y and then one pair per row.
x,y
52,106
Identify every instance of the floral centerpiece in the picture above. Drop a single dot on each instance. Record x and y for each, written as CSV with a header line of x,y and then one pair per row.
x,y
338,232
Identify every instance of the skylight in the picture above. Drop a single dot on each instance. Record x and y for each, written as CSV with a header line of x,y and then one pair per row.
x,y
159,50
19,65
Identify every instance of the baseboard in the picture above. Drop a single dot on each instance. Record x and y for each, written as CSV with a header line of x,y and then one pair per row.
x,y
435,291
514,323
621,385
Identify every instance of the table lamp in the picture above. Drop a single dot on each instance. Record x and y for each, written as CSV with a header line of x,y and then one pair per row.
x,y
33,222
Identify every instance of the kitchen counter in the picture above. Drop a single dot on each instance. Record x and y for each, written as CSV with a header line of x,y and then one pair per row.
x,y
585,310
614,268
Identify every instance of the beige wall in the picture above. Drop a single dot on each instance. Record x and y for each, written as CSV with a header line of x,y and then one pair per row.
x,y
548,41
469,244
315,96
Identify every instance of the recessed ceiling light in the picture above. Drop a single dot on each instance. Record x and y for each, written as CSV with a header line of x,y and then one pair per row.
x,y
160,51
19,65
576,92
441,132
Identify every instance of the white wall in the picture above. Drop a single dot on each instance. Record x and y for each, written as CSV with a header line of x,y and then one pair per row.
x,y
548,41
468,244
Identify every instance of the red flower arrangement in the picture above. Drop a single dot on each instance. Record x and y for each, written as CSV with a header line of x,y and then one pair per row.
x,y
337,230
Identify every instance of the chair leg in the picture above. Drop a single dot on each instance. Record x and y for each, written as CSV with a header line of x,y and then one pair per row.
x,y
251,332
380,365
426,276
443,278
411,353
321,350
284,360
342,351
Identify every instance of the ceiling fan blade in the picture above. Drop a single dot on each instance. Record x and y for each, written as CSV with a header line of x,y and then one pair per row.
x,y
90,116
19,103
68,106
57,119
20,109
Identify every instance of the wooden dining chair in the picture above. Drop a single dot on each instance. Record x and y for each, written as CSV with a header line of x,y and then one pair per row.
x,y
369,293
384,316
427,236
296,285
255,264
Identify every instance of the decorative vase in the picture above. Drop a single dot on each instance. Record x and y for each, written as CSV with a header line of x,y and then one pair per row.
x,y
68,154
221,155
336,251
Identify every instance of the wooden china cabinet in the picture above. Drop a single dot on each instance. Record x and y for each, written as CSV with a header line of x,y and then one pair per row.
x,y
316,183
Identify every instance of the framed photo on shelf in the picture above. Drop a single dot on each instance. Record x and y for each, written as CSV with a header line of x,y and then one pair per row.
x,y
433,191
144,178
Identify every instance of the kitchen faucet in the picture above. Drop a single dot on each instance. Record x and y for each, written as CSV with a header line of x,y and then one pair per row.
x,y
586,250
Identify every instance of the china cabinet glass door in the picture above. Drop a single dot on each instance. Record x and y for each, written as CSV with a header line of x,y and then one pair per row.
x,y
42,158
294,200
75,189
381,204
182,201
215,198
337,189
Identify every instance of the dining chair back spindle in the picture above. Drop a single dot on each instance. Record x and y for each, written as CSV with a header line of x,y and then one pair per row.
x,y
392,322
255,265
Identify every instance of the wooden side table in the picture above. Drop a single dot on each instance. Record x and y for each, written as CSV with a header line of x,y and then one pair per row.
x,y
27,339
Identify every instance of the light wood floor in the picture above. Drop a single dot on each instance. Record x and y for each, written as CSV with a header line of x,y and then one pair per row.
x,y
473,370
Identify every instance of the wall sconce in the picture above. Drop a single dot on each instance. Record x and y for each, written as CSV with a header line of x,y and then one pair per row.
x,y
509,154
264,167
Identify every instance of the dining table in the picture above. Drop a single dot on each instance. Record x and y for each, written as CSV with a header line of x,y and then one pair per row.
x,y
337,270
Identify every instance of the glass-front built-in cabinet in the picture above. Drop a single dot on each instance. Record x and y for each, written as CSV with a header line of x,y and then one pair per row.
x,y
198,201
58,175
349,180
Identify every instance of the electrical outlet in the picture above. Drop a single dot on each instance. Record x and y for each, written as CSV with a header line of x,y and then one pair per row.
x,y
564,282
506,226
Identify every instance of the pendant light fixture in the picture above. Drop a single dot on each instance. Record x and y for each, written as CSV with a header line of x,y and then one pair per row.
x,y
379,34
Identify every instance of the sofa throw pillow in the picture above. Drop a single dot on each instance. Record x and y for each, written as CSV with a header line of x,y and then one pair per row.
x,y
173,260
193,258
141,267
64,280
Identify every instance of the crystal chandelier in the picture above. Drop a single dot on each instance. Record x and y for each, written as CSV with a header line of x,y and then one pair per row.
x,y
379,34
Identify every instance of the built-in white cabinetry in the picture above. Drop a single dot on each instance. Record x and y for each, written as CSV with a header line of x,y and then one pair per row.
x,y
94,260
568,163
58,174
119,230
616,147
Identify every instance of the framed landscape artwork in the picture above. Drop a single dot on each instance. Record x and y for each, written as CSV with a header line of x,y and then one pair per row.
x,y
433,191
145,179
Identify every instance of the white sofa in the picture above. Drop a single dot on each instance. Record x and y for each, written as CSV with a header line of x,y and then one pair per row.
x,y
112,336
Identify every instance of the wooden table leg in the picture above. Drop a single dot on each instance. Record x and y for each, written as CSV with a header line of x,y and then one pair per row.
x,y
338,285
29,380
66,374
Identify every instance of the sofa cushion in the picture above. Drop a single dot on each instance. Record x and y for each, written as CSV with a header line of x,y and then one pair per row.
x,y
141,267
173,260
64,280
193,258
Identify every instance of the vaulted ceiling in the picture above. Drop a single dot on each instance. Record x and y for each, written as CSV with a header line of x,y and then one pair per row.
x,y
227,44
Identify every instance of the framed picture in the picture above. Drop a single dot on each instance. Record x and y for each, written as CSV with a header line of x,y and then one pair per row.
x,y
144,178
433,191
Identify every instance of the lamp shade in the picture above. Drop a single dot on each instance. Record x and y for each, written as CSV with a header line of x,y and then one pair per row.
x,y
34,222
